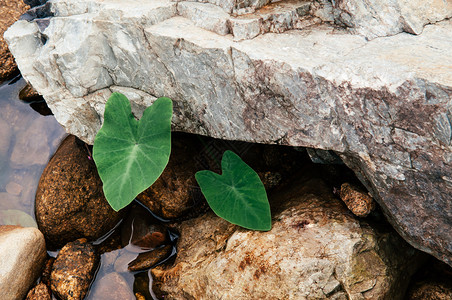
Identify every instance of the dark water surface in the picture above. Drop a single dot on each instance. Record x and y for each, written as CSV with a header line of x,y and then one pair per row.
x,y
27,141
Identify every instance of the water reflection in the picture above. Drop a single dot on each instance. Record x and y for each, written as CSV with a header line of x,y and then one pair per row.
x,y
27,141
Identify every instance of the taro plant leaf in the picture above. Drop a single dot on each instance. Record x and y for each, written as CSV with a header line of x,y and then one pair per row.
x,y
237,195
130,155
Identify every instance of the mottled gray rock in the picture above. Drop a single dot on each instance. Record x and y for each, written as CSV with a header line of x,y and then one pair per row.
x,y
383,104
23,252
315,250
376,18
234,6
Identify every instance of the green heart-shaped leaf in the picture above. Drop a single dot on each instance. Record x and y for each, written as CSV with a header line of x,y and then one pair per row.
x,y
130,155
237,195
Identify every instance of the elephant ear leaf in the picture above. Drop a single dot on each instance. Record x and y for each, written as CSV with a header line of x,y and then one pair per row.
x,y
130,155
237,195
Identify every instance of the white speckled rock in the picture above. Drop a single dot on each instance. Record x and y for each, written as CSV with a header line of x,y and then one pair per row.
x,y
315,250
383,104
22,254
376,18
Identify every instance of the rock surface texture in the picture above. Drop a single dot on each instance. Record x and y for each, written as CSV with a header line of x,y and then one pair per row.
x,y
22,254
39,292
383,104
73,270
315,250
10,10
70,203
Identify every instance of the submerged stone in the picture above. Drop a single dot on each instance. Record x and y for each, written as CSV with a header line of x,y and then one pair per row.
x,y
149,259
111,286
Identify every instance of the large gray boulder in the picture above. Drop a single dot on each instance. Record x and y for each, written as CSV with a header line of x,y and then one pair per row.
x,y
383,104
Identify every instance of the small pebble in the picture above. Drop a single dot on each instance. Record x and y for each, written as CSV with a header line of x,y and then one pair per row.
x,y
359,202
14,188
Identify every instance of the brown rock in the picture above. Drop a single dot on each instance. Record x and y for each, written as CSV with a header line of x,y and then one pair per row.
x,y
69,201
139,296
39,292
149,259
432,282
431,291
142,230
74,269
359,202
47,271
176,191
29,94
10,10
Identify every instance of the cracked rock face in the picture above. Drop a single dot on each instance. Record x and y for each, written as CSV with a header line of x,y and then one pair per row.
x,y
384,105
315,250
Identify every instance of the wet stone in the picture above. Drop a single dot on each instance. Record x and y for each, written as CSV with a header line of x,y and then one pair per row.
x,y
112,286
142,230
123,259
74,269
29,94
39,292
70,203
8,201
141,286
32,144
5,134
149,259
47,271
14,188
359,202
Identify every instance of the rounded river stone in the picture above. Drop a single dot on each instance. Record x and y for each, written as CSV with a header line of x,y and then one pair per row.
x,y
70,203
